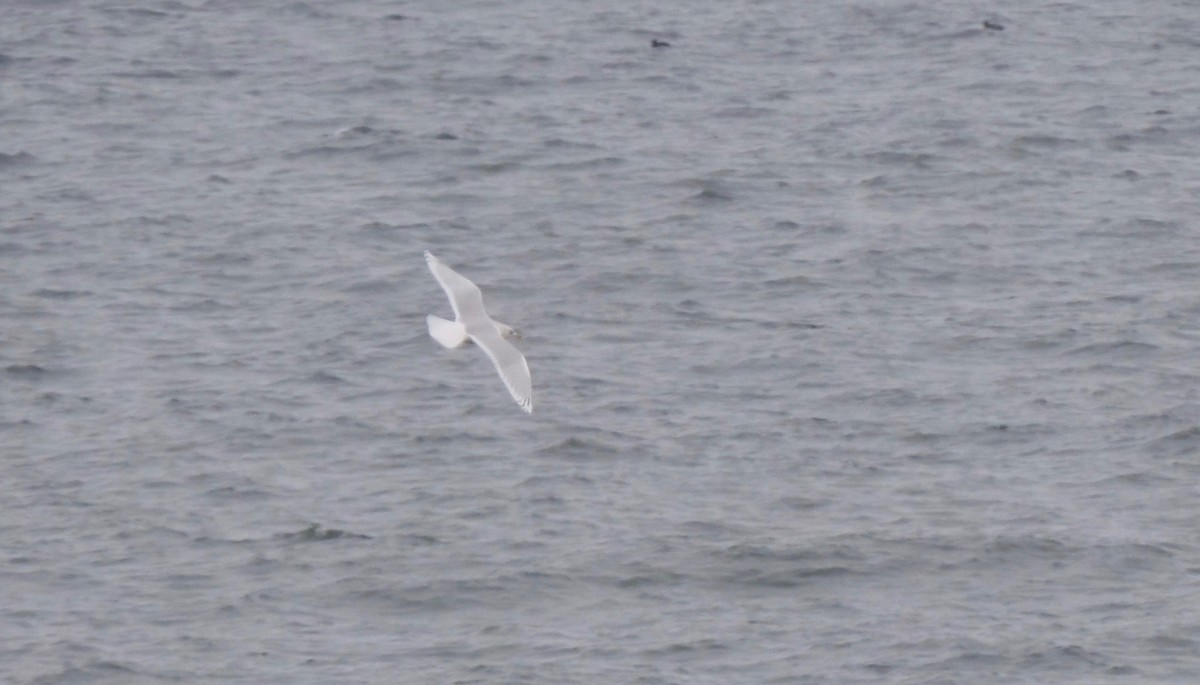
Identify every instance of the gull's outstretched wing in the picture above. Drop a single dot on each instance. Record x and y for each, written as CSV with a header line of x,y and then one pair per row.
x,y
509,362
464,295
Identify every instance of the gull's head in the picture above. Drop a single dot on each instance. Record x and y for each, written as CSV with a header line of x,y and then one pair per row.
x,y
507,331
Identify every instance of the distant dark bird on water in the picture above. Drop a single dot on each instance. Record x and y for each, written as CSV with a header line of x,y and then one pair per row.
x,y
992,26
656,43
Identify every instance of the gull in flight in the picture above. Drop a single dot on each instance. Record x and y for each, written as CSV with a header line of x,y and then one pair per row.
x,y
472,323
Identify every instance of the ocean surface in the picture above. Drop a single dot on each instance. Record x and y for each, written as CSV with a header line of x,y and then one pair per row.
x,y
864,341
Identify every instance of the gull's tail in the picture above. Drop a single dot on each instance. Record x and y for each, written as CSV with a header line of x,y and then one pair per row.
x,y
450,334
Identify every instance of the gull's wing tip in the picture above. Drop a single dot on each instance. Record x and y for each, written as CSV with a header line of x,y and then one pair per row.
x,y
429,256
527,405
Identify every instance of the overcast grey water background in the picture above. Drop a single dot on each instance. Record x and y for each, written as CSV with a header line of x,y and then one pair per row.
x,y
864,342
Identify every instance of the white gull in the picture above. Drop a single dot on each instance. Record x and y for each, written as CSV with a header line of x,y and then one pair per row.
x,y
471,322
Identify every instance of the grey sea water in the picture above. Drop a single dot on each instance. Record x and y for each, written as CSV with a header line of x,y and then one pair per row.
x,y
864,342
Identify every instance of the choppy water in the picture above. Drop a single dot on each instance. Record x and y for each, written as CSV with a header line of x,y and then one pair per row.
x,y
864,342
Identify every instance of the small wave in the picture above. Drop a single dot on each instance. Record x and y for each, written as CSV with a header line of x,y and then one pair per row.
x,y
1044,142
915,160
1026,545
713,194
1061,656
562,143
651,578
16,159
787,578
25,370
157,74
579,448
374,285
206,304
690,649
220,258
315,533
136,12
318,377
1179,443
325,151
54,294
1122,348
744,112
585,164
1136,478
788,282
1174,643
22,423
95,671
381,226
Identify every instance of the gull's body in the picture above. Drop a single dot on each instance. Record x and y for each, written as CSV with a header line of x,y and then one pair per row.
x,y
472,323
